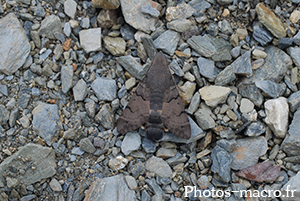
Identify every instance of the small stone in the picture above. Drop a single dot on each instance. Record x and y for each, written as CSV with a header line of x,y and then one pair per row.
x,y
166,153
180,25
49,26
70,8
80,90
194,103
277,111
106,117
294,101
295,16
105,89
270,20
148,10
225,76
90,39
11,182
158,166
117,163
132,66
181,11
55,185
66,78
77,151
221,163
4,115
129,84
260,34
24,121
255,129
252,93
213,95
148,145
246,105
107,18
131,183
86,145
85,23
242,65
106,4
187,90
172,37
131,142
207,68
116,46
204,120
270,88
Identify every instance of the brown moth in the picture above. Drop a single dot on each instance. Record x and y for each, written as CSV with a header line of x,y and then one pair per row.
x,y
157,104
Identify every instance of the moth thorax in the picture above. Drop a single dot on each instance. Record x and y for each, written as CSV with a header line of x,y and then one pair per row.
x,y
153,133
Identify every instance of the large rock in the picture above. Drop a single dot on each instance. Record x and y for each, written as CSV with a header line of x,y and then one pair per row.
x,y
110,188
132,11
41,158
13,40
46,122
277,111
49,26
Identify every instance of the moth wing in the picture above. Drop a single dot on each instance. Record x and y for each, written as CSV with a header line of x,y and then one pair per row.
x,y
137,110
173,114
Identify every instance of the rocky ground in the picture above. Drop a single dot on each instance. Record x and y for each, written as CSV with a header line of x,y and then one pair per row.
x,y
67,70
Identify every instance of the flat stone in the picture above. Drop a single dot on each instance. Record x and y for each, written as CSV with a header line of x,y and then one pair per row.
x,y
194,103
174,66
136,18
246,105
80,90
202,46
294,101
290,145
42,158
66,78
221,163
106,117
105,89
46,122
131,142
294,53
168,47
242,65
248,151
270,88
277,111
252,93
275,66
4,115
204,120
117,163
55,185
225,76
255,129
181,11
50,25
270,20
23,100
86,145
292,185
214,95
165,153
13,39
115,45
261,35
199,6
90,39
106,4
207,68
158,166
70,8
109,188
131,183
186,91
132,66
180,25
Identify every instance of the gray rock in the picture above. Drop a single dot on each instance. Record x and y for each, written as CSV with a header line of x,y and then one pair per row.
x,y
26,2
136,18
28,197
200,6
46,122
127,32
224,2
247,152
246,105
66,78
260,34
42,158
174,66
180,25
255,129
105,89
110,188
132,66
67,29
149,46
13,39
131,142
284,43
214,95
86,145
137,169
23,100
45,55
55,185
228,145
242,65
77,151
80,90
90,39
158,166
274,68
181,11
290,144
204,120
194,103
296,37
155,187
293,185
167,42
106,117
4,115
202,46
50,25
166,153
207,68
131,183
70,8
148,10
3,90
14,115
221,163
270,88
148,145
225,76
115,45
251,92
294,53
294,101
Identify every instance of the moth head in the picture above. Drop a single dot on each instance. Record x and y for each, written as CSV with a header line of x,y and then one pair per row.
x,y
154,134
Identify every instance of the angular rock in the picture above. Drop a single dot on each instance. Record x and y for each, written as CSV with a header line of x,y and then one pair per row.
x,y
221,163
275,66
55,185
251,92
50,25
255,129
42,158
207,68
194,103
80,90
70,8
107,18
86,145
247,152
180,25
270,20
277,111
242,65
291,143
132,66
158,166
204,120
294,53
202,46
166,153
213,95
168,47
105,89
13,39
200,7
116,46
109,188
294,101
246,105
90,39
292,185
66,78
225,76
136,18
271,88
131,142
4,115
260,34
106,117
186,91
106,4
46,122
181,11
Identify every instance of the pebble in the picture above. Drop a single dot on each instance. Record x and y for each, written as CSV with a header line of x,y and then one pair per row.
x,y
207,68
277,111
262,35
55,185
70,8
131,142
214,95
50,25
117,163
115,45
182,11
242,65
221,163
294,101
105,89
80,90
66,78
90,39
255,129
179,25
86,145
105,117
132,66
246,105
158,166
172,37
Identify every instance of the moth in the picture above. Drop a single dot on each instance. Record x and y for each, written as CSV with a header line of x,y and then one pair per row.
x,y
156,104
